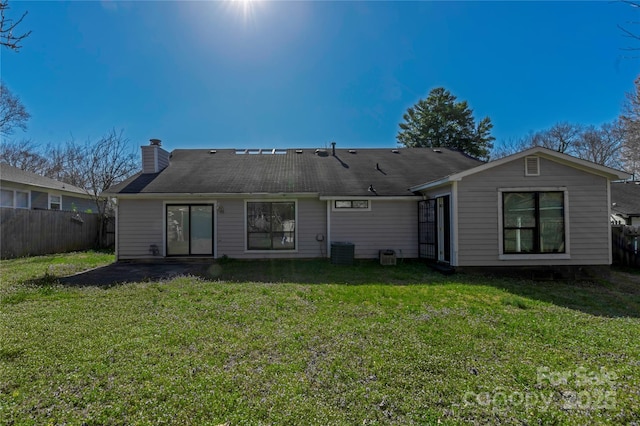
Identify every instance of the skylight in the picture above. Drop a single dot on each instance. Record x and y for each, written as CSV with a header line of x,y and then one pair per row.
x,y
256,151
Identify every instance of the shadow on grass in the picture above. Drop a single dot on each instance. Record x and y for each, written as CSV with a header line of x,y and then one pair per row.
x,y
608,298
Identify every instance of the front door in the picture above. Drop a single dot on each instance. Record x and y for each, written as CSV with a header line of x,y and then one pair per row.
x,y
189,230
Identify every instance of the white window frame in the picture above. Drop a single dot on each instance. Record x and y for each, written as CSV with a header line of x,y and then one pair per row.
x,y
14,198
350,209
51,202
534,256
270,200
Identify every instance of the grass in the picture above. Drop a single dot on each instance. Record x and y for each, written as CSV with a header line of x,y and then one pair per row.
x,y
313,343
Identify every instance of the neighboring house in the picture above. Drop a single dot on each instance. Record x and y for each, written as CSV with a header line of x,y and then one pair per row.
x,y
25,190
537,207
625,203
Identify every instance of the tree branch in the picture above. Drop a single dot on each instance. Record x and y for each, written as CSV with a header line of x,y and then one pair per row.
x,y
7,27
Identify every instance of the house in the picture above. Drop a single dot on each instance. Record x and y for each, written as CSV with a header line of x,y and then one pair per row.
x,y
537,207
20,189
625,203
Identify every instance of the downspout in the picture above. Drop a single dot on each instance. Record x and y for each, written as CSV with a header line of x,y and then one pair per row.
x,y
609,240
454,220
329,229
117,230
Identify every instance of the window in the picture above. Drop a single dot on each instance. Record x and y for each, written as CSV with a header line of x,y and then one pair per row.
x,y
55,202
6,199
351,204
14,198
190,229
271,225
22,200
533,222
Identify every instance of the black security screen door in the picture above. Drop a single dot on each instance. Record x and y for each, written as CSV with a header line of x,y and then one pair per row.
x,y
427,227
434,229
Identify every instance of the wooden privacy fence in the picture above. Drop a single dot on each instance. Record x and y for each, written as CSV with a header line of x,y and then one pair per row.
x,y
35,232
626,245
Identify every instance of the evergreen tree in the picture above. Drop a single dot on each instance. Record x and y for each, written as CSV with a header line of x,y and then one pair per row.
x,y
441,121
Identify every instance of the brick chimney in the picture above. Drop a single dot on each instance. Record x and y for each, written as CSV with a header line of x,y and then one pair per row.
x,y
154,158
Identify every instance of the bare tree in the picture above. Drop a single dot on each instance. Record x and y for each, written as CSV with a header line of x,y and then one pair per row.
x,y
92,166
601,145
24,155
65,162
100,165
512,146
562,137
12,113
626,31
9,38
630,119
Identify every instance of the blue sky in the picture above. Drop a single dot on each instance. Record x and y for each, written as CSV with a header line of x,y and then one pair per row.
x,y
290,74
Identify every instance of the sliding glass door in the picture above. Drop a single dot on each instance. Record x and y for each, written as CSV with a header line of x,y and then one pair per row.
x,y
189,229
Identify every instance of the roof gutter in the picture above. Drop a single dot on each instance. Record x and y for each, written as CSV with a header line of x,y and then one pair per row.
x,y
364,197
191,195
162,195
435,183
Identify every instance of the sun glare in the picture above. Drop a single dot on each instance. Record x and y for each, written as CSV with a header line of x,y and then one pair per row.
x,y
247,8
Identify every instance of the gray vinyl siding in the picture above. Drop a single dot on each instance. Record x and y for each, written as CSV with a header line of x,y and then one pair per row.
x,y
231,238
478,201
163,159
389,225
154,159
148,159
140,224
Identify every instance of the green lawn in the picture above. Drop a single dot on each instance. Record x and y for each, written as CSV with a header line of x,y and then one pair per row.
x,y
313,343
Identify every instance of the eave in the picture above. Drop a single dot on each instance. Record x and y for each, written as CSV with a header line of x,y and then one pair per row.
x,y
577,163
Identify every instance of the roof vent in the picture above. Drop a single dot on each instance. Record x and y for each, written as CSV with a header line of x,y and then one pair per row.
x,y
298,151
395,151
532,166
352,151
213,151
321,152
155,142
438,150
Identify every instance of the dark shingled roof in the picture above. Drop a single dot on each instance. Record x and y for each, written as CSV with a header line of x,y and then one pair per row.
x,y
345,174
13,174
626,196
